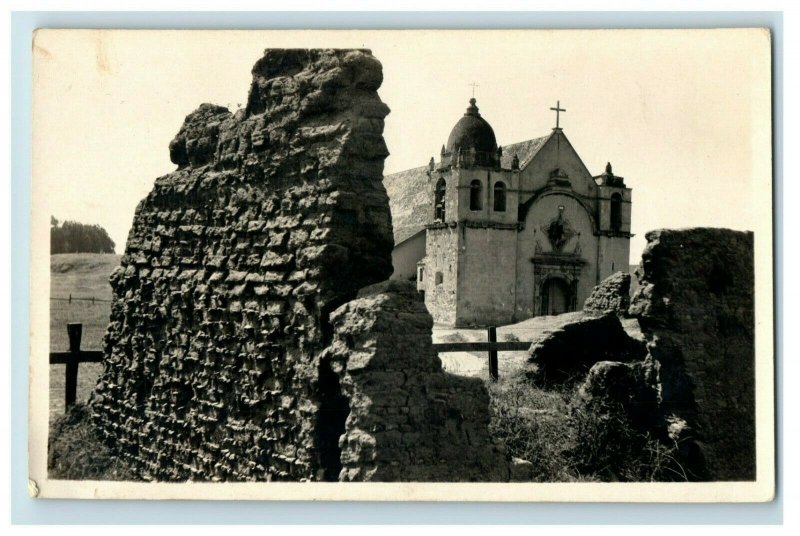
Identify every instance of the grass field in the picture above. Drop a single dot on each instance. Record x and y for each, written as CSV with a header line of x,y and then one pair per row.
x,y
82,275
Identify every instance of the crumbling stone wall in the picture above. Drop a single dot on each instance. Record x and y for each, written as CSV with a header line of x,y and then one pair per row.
x,y
629,387
409,420
682,367
567,353
612,295
695,306
275,216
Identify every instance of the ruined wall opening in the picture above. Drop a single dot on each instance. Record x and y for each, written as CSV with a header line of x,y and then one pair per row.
x,y
334,408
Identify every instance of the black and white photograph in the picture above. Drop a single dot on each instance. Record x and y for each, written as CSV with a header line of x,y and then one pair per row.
x,y
507,265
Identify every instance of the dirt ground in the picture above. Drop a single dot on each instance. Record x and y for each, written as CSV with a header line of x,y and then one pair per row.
x,y
477,363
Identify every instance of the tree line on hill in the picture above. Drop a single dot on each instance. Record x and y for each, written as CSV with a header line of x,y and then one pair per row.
x,y
74,237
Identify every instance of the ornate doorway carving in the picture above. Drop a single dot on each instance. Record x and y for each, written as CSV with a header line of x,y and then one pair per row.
x,y
555,288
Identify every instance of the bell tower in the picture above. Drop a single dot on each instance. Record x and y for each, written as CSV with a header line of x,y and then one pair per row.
x,y
474,215
614,223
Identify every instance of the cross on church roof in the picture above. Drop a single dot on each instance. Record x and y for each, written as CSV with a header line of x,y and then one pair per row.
x,y
474,85
557,110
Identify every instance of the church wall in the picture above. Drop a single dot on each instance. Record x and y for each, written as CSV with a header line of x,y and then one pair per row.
x,y
614,255
441,258
487,267
488,179
406,255
584,245
479,249
557,152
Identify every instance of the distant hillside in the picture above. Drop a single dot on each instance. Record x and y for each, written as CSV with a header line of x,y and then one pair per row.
x,y
82,274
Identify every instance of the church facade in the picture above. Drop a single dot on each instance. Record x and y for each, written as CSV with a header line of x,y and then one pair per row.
x,y
509,233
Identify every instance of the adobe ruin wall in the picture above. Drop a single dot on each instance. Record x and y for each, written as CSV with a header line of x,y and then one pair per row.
x,y
409,420
696,308
680,360
216,365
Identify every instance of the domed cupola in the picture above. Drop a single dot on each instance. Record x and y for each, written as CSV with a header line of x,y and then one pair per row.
x,y
472,141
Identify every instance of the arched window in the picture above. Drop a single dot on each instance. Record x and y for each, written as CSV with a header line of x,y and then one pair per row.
x,y
616,212
441,188
499,196
475,191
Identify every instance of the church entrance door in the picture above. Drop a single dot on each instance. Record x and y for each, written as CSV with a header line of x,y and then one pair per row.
x,y
555,297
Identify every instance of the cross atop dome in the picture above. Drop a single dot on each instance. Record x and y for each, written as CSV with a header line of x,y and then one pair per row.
x,y
472,139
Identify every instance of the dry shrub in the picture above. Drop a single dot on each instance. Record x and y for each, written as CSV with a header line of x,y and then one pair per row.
x,y
570,443
604,444
75,451
531,423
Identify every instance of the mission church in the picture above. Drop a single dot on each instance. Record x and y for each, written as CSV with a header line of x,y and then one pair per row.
x,y
496,235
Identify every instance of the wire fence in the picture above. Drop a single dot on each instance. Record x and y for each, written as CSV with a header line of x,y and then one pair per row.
x,y
72,298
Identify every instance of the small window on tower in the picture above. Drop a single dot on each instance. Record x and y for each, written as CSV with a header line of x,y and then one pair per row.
x,y
475,190
616,212
441,188
499,196
439,278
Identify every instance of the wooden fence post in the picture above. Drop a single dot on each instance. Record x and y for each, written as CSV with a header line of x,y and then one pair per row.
x,y
493,366
74,331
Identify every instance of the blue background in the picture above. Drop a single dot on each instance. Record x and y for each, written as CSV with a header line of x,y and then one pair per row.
x,y
27,510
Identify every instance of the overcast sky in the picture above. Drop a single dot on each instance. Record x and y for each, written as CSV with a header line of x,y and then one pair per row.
x,y
683,116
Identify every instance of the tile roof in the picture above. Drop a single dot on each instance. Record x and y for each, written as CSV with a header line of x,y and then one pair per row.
x,y
525,151
409,201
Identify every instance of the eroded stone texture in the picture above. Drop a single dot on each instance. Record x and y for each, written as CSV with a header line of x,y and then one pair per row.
x,y
627,387
567,353
275,216
409,420
680,368
695,306
612,295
